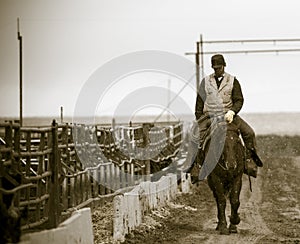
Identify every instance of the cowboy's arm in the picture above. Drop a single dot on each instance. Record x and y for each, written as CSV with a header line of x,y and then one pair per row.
x,y
237,97
237,101
201,96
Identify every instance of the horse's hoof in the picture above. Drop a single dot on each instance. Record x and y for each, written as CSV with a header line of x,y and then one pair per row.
x,y
224,231
235,220
222,228
232,228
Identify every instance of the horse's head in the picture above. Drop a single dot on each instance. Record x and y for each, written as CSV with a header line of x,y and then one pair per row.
x,y
225,143
223,150
233,150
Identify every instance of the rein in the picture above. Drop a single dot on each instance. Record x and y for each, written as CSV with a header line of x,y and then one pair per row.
x,y
226,169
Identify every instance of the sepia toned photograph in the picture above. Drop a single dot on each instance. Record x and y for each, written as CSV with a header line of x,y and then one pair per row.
x,y
134,121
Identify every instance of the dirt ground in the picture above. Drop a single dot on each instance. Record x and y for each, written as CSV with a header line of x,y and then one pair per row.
x,y
269,214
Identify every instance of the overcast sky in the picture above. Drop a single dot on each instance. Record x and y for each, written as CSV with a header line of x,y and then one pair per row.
x,y
65,42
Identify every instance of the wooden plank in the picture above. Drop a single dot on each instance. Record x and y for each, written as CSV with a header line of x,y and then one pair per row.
x,y
94,183
123,176
81,188
112,184
131,165
117,177
102,180
88,185
64,193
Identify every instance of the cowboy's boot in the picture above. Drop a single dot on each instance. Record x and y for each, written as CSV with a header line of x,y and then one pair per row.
x,y
255,157
250,166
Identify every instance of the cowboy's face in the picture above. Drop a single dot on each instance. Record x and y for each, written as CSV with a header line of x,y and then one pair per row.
x,y
219,70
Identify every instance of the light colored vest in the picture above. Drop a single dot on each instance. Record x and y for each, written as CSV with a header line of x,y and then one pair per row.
x,y
218,100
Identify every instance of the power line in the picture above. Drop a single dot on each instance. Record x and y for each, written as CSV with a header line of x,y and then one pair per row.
x,y
251,41
246,51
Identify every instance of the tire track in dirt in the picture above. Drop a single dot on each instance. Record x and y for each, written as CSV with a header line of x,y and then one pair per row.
x,y
192,218
252,227
269,214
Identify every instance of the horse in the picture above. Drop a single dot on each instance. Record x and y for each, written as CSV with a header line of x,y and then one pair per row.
x,y
225,180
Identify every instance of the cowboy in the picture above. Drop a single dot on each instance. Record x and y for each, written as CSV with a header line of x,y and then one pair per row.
x,y
220,93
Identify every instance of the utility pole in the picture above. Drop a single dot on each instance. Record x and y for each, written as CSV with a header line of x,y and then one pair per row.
x,y
61,114
201,57
20,74
199,62
197,66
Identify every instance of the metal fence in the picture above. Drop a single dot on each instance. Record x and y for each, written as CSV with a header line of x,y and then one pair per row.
x,y
65,167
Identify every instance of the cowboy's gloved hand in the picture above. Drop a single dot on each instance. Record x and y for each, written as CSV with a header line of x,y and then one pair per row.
x,y
229,116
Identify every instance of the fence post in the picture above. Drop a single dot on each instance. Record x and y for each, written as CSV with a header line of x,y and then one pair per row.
x,y
8,137
54,208
17,147
146,128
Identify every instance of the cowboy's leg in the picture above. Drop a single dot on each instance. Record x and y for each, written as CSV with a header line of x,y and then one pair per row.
x,y
249,139
191,155
192,149
204,124
196,141
247,132
195,157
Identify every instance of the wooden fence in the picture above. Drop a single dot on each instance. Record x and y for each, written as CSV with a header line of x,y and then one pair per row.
x,y
65,167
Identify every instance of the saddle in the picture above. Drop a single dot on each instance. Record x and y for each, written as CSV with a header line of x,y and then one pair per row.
x,y
252,161
201,168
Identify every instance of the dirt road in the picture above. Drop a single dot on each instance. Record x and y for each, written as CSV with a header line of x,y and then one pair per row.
x,y
269,214
192,219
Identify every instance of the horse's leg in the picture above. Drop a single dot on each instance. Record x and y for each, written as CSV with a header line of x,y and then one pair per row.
x,y
217,187
235,204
